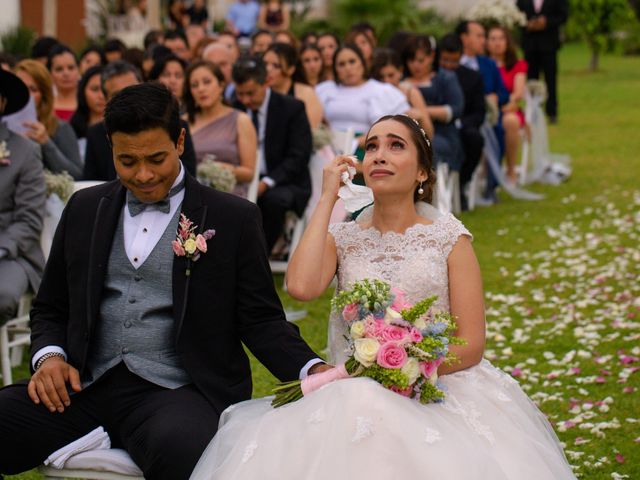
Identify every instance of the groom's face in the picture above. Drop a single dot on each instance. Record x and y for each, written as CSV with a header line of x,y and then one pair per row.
x,y
147,162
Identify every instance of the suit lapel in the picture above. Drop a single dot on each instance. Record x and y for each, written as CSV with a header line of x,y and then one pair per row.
x,y
104,228
195,211
269,131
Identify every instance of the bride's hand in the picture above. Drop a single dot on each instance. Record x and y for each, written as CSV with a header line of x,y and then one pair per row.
x,y
332,173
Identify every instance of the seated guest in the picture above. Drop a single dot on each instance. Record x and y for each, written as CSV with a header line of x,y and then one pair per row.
x,y
514,76
91,105
286,36
198,13
98,162
221,56
227,39
280,60
114,49
472,118
284,139
42,47
217,128
353,101
242,17
363,42
195,34
387,68
311,66
170,72
443,95
328,43
22,199
308,38
59,144
64,71
260,41
91,56
176,41
274,15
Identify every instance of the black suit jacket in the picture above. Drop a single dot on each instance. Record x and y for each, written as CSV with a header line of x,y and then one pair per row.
x,y
287,146
556,12
98,161
474,102
228,299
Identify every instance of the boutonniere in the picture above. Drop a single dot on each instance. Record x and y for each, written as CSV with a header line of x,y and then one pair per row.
x,y
189,245
4,154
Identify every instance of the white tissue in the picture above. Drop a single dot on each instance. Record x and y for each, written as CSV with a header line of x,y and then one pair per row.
x,y
97,439
354,197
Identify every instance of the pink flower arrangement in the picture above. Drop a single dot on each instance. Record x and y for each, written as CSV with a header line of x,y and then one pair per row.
x,y
189,244
393,342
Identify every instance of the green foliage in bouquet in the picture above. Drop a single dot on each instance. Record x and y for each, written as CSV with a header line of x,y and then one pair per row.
x,y
216,176
60,184
372,295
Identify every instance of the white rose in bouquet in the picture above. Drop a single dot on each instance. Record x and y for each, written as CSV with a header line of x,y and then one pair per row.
x,y
366,350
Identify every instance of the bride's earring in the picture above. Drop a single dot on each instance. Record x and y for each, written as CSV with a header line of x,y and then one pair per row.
x,y
420,189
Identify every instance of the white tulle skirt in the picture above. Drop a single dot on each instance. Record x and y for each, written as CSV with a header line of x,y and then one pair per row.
x,y
486,429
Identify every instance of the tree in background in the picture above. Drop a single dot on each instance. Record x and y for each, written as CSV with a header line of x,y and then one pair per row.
x,y
597,20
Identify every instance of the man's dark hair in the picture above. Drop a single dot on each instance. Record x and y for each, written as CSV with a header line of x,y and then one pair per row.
x,y
175,34
43,46
249,68
56,50
450,43
115,69
114,45
143,107
152,38
463,26
259,32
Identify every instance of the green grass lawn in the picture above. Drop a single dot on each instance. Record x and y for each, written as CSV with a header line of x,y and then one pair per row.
x,y
561,276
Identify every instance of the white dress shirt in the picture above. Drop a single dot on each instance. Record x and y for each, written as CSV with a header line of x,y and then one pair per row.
x,y
262,128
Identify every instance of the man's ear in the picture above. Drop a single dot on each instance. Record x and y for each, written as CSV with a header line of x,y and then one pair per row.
x,y
180,142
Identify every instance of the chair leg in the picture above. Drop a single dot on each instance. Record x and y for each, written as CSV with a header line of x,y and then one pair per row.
x,y
5,358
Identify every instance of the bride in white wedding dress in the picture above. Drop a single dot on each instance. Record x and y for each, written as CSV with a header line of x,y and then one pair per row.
x,y
485,429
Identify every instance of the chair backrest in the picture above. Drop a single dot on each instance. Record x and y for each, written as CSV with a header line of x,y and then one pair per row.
x,y
252,192
342,141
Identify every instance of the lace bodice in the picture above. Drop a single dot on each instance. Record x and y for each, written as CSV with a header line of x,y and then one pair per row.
x,y
414,261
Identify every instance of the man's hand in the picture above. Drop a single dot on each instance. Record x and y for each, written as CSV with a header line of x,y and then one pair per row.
x,y
319,368
49,384
262,187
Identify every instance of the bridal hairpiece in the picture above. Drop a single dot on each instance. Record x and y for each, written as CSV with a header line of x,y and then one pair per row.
x,y
424,134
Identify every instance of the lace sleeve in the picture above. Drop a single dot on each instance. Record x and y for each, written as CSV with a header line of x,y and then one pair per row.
x,y
454,229
340,233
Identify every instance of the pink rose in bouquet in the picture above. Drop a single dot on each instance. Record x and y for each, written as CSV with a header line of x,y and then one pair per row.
x,y
415,335
177,248
350,312
400,301
391,355
398,335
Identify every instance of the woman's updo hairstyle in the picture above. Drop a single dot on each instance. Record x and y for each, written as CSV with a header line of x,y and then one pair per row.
x,y
425,153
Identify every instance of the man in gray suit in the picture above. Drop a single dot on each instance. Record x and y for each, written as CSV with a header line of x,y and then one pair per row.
x,y
22,197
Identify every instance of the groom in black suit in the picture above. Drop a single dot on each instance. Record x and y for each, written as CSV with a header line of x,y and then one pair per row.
x,y
132,333
284,141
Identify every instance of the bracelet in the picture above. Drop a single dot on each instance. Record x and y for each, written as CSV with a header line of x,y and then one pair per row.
x,y
46,357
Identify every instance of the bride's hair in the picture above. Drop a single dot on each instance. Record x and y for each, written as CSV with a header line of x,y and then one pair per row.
x,y
425,153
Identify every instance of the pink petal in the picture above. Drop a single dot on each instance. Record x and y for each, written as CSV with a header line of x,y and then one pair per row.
x,y
619,458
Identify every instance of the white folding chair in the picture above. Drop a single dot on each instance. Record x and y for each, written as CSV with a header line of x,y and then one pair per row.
x,y
252,192
14,336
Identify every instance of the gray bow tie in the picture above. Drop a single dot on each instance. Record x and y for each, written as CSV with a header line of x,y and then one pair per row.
x,y
136,207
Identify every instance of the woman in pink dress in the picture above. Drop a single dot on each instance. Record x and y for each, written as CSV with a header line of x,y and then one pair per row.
x,y
501,48
216,128
64,70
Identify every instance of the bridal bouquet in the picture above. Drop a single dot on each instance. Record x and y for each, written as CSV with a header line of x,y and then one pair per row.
x,y
397,344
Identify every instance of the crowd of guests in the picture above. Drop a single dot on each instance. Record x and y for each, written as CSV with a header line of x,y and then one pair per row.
x,y
255,96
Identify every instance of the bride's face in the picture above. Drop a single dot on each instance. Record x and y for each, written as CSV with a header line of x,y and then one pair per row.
x,y
390,163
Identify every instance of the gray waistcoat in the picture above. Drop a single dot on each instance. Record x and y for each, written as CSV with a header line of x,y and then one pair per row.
x,y
137,324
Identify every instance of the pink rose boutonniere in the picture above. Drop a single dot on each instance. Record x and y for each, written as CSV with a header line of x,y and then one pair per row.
x,y
188,244
4,154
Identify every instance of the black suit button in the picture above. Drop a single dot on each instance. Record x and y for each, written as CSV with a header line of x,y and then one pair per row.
x,y
137,278
132,300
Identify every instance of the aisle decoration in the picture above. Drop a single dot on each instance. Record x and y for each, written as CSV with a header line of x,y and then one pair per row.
x,y
397,344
